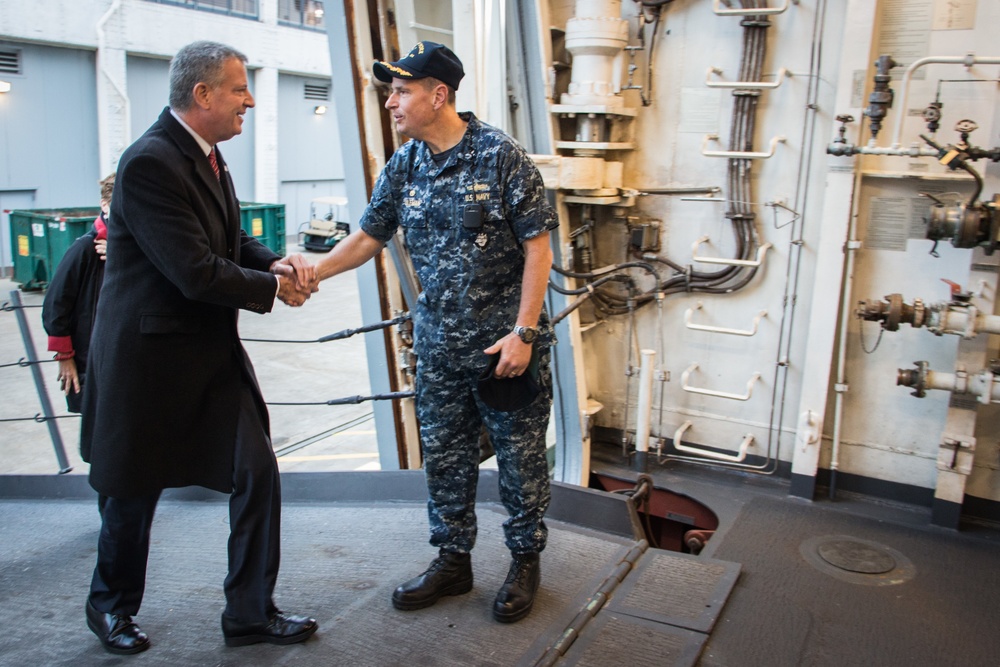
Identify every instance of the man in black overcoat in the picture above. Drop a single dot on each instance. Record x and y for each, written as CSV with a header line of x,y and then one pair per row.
x,y
171,399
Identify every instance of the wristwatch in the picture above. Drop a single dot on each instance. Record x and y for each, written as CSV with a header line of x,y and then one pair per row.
x,y
526,334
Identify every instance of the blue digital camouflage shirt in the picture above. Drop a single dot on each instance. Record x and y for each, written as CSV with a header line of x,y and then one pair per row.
x,y
463,223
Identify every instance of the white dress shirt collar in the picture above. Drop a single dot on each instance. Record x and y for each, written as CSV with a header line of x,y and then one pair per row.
x,y
206,147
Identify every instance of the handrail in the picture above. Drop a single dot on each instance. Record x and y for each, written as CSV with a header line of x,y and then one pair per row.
x,y
735,458
761,251
720,394
748,85
717,8
722,330
739,155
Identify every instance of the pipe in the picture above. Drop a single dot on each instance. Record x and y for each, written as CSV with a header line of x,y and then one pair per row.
x,y
839,387
596,36
628,371
101,46
915,150
644,407
968,60
984,385
707,189
965,322
786,326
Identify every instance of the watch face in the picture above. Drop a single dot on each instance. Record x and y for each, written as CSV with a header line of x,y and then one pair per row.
x,y
527,334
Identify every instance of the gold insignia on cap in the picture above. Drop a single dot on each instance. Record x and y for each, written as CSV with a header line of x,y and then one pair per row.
x,y
392,68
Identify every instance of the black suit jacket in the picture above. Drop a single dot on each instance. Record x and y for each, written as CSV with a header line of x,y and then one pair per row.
x,y
166,364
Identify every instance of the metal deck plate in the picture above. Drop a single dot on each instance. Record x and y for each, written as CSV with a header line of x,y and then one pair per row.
x,y
676,589
855,556
616,639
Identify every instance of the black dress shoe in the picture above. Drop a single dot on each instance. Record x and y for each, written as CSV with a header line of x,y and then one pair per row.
x,y
117,632
448,574
517,595
281,628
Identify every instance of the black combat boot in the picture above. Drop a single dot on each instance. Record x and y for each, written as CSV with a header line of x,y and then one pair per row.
x,y
448,574
517,594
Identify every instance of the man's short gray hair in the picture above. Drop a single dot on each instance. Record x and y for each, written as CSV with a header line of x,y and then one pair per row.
x,y
198,62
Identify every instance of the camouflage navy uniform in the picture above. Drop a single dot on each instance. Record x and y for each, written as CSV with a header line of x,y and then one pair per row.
x,y
471,281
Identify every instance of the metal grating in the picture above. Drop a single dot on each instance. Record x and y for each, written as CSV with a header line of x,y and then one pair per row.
x,y
677,589
317,91
10,62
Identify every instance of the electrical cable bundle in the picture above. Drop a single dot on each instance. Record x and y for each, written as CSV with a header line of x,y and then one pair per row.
x,y
610,300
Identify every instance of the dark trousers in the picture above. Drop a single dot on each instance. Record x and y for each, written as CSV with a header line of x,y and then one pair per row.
x,y
255,527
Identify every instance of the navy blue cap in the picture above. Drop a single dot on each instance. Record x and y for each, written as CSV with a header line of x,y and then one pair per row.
x,y
509,394
424,60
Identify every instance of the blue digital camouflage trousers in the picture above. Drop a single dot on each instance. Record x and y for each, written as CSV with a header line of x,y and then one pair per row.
x,y
451,418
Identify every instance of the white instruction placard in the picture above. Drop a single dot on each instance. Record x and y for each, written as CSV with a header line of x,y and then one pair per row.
x,y
954,14
888,223
905,33
700,110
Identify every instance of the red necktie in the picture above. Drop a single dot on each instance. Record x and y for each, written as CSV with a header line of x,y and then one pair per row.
x,y
215,163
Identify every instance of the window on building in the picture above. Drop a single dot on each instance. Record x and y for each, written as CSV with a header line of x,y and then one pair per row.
x,y
301,14
244,8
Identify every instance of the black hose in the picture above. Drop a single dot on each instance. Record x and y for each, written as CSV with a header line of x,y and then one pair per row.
x,y
979,182
589,287
740,211
608,269
960,164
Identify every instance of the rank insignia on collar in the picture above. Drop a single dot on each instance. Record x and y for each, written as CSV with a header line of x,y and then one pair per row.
x,y
481,240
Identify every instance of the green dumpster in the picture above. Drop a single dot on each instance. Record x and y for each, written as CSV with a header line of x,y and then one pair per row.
x,y
40,238
266,223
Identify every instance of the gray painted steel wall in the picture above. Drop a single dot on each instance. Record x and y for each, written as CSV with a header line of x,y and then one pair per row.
x,y
48,127
309,154
48,134
148,90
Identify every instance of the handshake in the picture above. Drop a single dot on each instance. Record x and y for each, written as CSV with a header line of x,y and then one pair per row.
x,y
297,279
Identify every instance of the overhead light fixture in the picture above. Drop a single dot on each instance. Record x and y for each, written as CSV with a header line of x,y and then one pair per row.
x,y
320,110
4,86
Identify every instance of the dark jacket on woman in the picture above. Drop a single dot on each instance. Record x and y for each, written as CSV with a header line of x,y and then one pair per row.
x,y
71,303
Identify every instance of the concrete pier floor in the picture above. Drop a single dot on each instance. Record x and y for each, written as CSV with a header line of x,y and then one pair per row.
x,y
340,437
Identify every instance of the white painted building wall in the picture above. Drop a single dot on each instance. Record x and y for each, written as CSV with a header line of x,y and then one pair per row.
x,y
146,34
